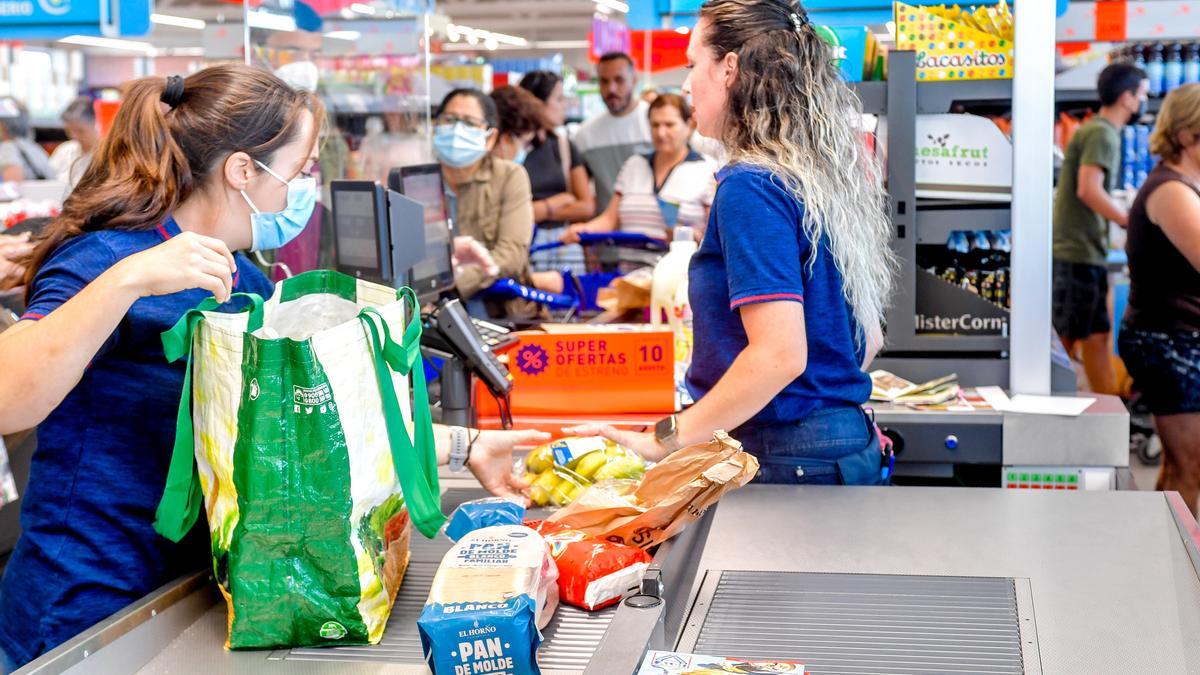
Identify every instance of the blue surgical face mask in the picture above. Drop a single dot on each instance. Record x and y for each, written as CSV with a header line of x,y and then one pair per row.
x,y
458,145
519,158
273,230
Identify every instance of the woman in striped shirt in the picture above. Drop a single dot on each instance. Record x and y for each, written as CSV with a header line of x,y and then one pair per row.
x,y
671,186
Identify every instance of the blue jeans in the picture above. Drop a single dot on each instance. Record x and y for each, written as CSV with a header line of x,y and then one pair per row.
x,y
835,446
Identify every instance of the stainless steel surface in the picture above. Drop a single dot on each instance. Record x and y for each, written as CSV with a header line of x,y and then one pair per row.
x,y
848,624
1098,437
1112,581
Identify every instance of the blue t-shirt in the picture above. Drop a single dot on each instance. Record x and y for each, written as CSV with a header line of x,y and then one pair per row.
x,y
755,250
88,547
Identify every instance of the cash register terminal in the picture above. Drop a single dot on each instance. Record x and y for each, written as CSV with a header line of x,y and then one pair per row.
x,y
402,235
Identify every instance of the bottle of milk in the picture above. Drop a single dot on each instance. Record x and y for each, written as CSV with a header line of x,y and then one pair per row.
x,y
668,297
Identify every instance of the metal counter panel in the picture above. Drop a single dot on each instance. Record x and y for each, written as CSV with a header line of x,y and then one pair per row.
x,y
1111,579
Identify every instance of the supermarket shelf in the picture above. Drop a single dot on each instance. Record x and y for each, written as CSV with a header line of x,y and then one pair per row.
x,y
936,97
935,225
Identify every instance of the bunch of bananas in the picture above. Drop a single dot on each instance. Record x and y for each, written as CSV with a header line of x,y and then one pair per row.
x,y
559,472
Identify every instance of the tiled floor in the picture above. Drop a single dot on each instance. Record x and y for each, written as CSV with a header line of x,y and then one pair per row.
x,y
1144,476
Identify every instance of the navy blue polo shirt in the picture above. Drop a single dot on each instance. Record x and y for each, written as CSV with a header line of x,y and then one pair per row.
x,y
88,545
755,250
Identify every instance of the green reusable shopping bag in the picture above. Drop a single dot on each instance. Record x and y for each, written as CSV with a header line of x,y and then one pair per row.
x,y
296,431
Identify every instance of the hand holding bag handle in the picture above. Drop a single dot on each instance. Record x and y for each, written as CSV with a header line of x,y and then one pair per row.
x,y
415,459
182,496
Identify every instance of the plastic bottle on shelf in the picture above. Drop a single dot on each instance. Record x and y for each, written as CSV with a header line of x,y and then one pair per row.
x,y
1191,64
1173,68
1138,56
1155,69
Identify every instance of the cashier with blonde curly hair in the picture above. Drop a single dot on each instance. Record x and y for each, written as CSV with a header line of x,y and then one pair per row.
x,y
789,285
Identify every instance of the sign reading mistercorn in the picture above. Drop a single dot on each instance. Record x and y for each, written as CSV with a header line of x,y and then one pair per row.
x,y
953,43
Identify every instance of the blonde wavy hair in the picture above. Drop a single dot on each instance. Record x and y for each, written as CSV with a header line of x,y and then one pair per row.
x,y
789,111
1180,113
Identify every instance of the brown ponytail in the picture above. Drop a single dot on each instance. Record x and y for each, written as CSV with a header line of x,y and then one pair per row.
x,y
155,155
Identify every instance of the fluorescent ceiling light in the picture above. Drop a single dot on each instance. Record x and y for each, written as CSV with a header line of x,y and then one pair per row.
x,y
473,36
561,44
683,30
269,21
109,43
350,35
363,9
177,21
181,51
615,5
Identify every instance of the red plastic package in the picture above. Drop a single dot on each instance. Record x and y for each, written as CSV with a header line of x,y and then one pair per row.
x,y
592,573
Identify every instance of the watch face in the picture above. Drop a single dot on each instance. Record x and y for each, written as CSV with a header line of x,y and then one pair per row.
x,y
665,428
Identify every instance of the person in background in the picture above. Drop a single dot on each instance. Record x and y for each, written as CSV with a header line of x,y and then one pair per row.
x,y
521,117
788,287
1083,205
561,193
70,159
13,247
649,95
20,158
491,200
671,186
607,141
1160,335
131,253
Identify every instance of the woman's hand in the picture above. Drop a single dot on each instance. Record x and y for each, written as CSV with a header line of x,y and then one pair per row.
x,y
11,248
571,236
643,443
491,460
469,251
183,262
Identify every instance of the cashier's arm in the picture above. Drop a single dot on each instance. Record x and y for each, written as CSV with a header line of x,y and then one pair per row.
x,y
777,355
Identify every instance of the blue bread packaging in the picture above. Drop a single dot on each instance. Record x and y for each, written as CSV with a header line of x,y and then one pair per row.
x,y
493,593
480,513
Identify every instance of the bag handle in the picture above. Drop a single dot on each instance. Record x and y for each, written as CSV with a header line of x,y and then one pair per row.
x,y
415,458
182,496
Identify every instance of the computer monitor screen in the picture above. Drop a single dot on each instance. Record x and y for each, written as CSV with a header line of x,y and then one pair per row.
x,y
357,229
424,184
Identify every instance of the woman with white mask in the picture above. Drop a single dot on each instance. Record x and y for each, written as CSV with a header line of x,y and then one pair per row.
x,y
492,198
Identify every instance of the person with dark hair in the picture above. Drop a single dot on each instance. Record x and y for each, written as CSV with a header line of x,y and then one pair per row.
x,y
610,139
789,285
1083,205
70,159
561,193
520,117
671,186
20,158
192,169
491,199
1160,334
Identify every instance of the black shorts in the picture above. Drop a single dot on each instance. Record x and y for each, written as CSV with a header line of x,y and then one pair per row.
x,y
1165,367
1080,300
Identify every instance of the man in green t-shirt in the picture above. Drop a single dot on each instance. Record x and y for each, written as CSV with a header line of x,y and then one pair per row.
x,y
1083,206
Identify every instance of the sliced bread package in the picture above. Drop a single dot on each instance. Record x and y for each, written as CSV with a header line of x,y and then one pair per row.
x,y
493,593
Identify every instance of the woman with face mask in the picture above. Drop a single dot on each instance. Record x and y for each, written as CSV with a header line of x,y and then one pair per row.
x,y
492,200
789,284
192,170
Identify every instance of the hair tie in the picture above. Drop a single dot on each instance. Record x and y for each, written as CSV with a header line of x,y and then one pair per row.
x,y
173,93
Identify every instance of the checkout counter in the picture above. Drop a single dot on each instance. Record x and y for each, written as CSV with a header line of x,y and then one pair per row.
x,y
859,580
843,579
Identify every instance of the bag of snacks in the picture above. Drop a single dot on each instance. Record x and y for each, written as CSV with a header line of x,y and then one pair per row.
x,y
592,573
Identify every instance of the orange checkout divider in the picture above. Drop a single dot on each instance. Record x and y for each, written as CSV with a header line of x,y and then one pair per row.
x,y
567,374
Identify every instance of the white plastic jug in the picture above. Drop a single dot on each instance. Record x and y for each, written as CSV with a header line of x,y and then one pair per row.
x,y
669,297
669,273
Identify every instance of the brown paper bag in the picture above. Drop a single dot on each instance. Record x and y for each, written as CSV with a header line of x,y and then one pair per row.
x,y
674,493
